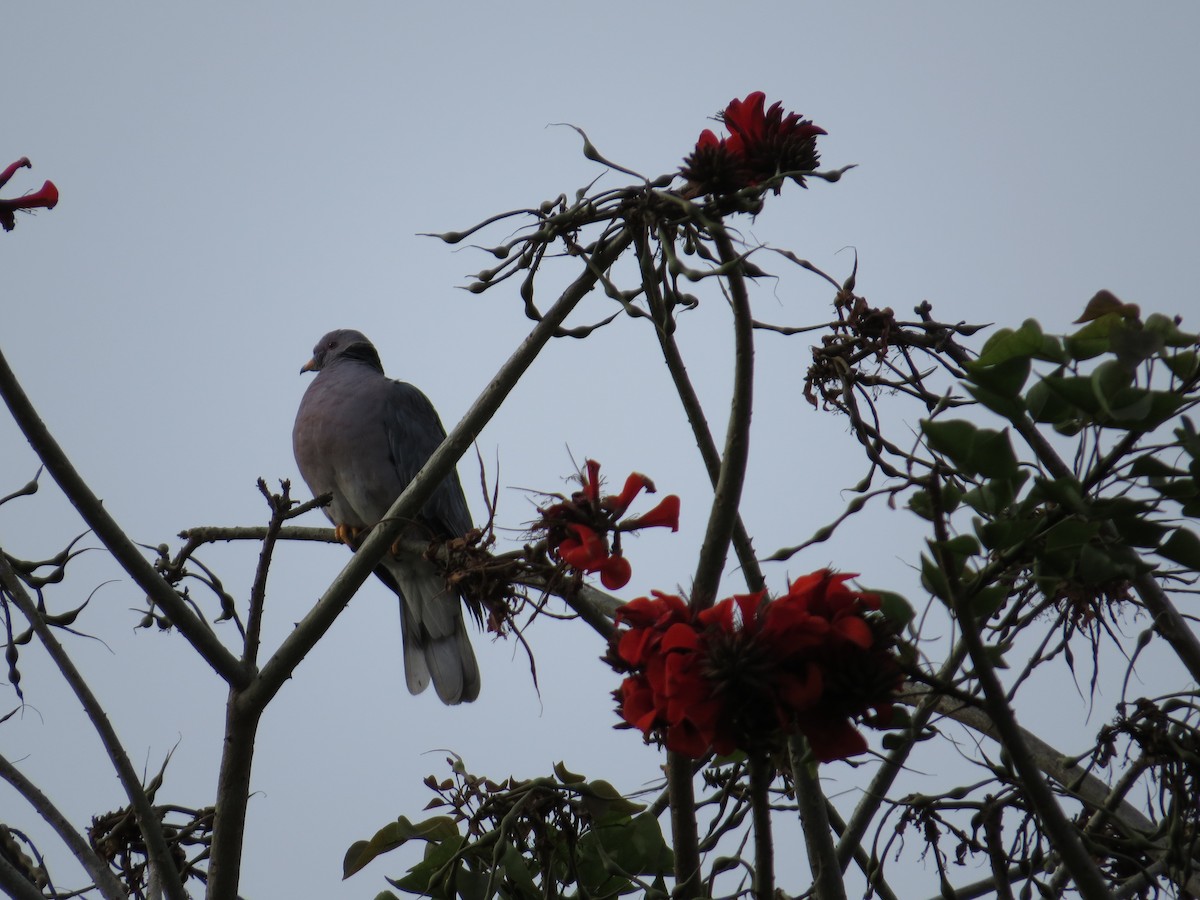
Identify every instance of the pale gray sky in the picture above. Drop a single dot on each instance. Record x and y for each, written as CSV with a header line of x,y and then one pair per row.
x,y
237,179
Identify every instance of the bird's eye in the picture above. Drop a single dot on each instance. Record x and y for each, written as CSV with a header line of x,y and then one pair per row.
x,y
331,345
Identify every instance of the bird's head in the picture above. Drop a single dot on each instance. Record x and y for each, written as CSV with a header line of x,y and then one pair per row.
x,y
345,343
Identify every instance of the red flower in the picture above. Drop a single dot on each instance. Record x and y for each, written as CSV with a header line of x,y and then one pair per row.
x,y
586,552
717,165
577,529
45,198
747,671
761,146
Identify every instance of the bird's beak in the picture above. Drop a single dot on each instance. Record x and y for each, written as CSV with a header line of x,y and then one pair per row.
x,y
310,366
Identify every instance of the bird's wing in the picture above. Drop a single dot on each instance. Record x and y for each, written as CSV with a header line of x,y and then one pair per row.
x,y
414,431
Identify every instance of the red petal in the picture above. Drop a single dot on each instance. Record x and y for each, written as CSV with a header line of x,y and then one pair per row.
x,y
719,614
632,645
615,572
855,630
666,514
680,636
799,691
591,481
637,703
832,740
24,163
647,611
44,198
588,554
686,739
634,485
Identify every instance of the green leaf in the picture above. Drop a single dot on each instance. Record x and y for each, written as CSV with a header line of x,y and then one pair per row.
x,y
992,454
1169,330
1139,532
565,775
1027,342
894,607
1093,338
1178,489
1001,404
389,837
1183,365
1002,534
1070,534
651,855
604,801
995,655
934,580
987,600
920,503
516,868
1005,377
1097,565
1133,344
1153,467
957,550
1066,492
973,450
1076,391
951,437
634,847
1182,547
429,877
1047,405
1108,379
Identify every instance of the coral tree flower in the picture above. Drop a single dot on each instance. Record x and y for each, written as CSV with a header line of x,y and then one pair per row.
x,y
762,144
577,529
44,198
748,671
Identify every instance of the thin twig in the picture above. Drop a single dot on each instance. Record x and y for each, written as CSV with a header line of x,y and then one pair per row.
x,y
111,534
158,853
1062,833
728,491
106,882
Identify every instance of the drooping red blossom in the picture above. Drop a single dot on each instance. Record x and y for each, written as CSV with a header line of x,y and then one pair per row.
x,y
45,197
748,671
634,485
665,515
577,529
615,572
585,550
762,144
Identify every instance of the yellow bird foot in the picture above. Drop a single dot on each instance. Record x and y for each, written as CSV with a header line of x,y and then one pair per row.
x,y
348,534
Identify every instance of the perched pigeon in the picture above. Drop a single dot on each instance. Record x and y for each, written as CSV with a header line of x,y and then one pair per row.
x,y
361,437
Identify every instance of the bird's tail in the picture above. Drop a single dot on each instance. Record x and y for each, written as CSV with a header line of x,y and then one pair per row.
x,y
436,644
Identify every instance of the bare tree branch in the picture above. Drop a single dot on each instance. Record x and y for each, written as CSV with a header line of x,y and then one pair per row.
x,y
156,845
127,553
106,882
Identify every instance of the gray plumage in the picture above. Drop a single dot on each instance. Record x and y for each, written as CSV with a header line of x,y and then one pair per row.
x,y
361,437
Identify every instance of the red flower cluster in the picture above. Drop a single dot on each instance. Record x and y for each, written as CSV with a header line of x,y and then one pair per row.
x,y
749,670
577,529
761,145
46,198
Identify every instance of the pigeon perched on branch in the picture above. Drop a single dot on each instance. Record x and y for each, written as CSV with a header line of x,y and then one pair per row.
x,y
362,437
